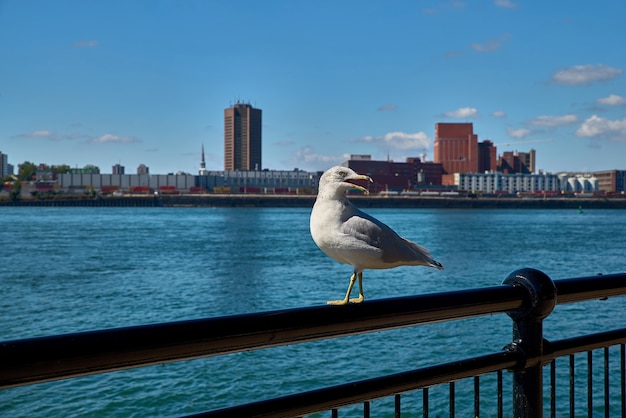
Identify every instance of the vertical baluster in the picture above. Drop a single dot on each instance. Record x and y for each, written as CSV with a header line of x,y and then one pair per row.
x,y
335,413
398,406
452,400
500,403
572,381
622,356
366,409
476,396
607,403
590,384
553,389
425,401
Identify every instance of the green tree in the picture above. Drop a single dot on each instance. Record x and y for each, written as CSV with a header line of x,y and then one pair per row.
x,y
61,169
26,171
17,189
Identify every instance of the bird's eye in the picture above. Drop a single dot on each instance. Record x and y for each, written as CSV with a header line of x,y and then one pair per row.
x,y
343,173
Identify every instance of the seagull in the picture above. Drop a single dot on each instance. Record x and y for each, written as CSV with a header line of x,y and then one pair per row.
x,y
350,236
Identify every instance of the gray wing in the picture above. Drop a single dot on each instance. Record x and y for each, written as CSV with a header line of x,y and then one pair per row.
x,y
395,249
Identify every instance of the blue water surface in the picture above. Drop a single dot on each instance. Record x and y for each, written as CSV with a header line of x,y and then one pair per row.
x,y
78,269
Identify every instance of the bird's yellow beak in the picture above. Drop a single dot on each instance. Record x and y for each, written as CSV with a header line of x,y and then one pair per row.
x,y
360,177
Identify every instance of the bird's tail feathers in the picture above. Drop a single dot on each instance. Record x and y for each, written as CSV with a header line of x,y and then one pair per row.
x,y
436,264
424,254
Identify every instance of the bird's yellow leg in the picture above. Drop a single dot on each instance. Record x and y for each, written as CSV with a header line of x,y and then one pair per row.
x,y
361,297
344,301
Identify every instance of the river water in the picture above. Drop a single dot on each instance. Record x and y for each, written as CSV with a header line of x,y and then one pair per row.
x,y
77,269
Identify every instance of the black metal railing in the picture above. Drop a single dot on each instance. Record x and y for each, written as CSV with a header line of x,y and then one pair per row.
x,y
527,296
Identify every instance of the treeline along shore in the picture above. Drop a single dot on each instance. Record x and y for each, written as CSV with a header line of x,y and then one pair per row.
x,y
262,200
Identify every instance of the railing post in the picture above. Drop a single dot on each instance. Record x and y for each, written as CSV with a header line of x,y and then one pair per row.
x,y
528,338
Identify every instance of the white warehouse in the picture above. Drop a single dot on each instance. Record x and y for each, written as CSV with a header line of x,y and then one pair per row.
x,y
493,182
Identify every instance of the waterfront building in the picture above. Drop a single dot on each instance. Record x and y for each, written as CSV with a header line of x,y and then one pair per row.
x,y
126,182
143,169
264,181
487,156
495,182
242,138
512,162
578,182
88,169
118,169
457,149
611,181
5,168
391,175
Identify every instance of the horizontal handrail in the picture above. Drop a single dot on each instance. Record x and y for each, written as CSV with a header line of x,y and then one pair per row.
x,y
588,288
41,359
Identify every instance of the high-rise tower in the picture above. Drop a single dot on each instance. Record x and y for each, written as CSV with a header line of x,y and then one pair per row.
x,y
242,138
456,147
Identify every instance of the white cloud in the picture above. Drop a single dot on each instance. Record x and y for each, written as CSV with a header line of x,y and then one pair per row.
x,y
404,141
40,134
505,3
49,135
553,121
612,100
464,112
518,133
579,75
498,114
596,126
398,140
491,44
106,138
307,155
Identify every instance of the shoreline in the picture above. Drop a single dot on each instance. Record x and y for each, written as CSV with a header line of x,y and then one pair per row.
x,y
262,200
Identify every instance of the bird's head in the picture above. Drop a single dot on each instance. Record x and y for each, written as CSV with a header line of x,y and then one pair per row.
x,y
339,180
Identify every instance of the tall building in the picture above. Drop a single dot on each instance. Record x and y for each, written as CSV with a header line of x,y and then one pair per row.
x,y
517,162
487,156
242,138
4,165
456,149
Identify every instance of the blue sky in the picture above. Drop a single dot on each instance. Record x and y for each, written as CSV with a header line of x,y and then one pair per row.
x,y
131,82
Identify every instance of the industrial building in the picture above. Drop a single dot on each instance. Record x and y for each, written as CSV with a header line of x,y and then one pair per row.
x,y
611,181
457,149
266,181
495,182
391,175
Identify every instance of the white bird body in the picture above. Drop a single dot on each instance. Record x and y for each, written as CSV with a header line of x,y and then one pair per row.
x,y
350,236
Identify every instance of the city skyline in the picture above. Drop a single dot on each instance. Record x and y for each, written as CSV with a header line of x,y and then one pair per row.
x,y
333,79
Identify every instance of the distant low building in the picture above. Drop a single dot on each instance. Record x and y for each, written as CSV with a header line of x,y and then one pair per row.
x,y
143,169
495,182
118,169
264,181
391,175
611,181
